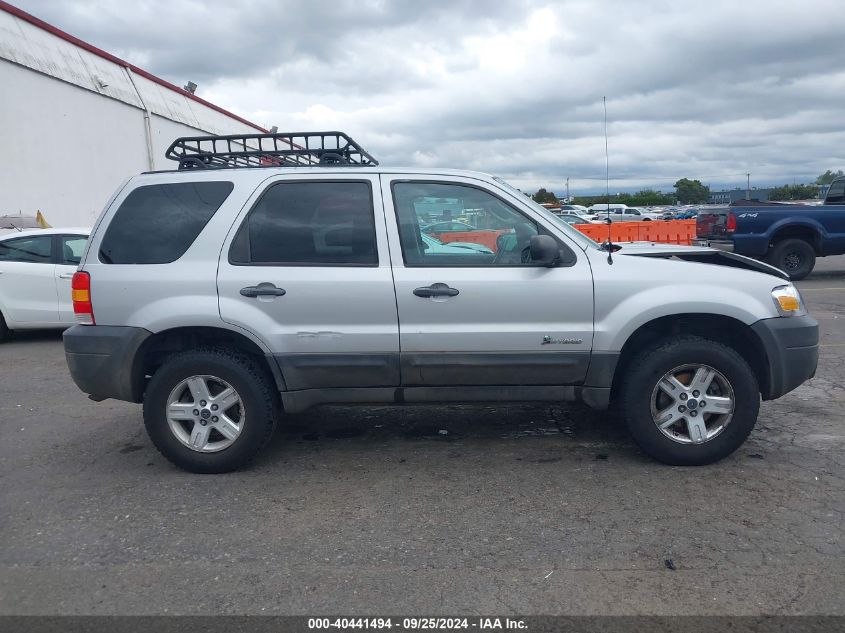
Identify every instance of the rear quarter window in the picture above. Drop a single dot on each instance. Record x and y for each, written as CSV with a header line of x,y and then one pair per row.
x,y
156,224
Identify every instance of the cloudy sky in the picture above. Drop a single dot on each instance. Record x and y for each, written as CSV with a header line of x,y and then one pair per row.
x,y
707,90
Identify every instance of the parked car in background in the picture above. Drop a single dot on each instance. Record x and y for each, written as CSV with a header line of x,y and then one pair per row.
x,y
452,226
576,209
647,214
679,214
36,267
571,218
788,236
620,213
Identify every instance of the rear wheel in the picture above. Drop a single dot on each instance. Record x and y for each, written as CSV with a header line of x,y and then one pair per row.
x,y
4,331
794,256
689,401
210,410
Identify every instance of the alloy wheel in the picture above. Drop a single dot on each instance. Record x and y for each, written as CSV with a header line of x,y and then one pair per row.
x,y
692,404
205,413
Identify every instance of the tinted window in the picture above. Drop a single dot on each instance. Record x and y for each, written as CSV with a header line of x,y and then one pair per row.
x,y
72,248
493,233
309,224
36,250
157,223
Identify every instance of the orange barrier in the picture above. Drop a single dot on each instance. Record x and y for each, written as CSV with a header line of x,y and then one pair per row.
x,y
661,231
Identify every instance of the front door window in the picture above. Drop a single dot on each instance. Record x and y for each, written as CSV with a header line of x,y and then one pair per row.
x,y
471,226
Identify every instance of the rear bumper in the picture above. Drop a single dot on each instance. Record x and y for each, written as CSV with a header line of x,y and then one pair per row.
x,y
792,347
102,358
721,244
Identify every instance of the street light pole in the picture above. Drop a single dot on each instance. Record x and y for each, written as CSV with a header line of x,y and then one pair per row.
x,y
567,189
748,186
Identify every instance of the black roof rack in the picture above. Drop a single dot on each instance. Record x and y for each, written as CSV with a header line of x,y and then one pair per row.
x,y
282,149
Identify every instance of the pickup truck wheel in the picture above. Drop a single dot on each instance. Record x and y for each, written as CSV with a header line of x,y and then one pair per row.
x,y
793,256
4,331
209,410
689,401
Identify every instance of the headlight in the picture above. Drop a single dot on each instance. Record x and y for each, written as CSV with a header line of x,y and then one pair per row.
x,y
788,301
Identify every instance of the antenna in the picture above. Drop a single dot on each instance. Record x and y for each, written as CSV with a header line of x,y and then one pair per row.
x,y
609,243
606,157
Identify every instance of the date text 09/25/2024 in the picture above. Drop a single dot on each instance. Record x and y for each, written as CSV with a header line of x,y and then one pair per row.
x,y
417,624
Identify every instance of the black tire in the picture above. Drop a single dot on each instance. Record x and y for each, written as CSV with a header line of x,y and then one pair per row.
x,y
4,330
794,256
250,381
642,376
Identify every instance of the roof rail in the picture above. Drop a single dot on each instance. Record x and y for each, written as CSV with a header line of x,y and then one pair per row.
x,y
282,149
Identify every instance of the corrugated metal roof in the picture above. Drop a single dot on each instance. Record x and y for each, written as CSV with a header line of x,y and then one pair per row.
x,y
35,44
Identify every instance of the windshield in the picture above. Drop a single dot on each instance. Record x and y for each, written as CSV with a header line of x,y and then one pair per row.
x,y
572,232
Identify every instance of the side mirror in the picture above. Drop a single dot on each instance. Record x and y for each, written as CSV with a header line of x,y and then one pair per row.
x,y
544,250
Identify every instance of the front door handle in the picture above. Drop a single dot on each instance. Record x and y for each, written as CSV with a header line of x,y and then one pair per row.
x,y
264,289
436,290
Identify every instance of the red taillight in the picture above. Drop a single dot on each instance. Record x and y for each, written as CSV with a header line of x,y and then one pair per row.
x,y
81,295
730,225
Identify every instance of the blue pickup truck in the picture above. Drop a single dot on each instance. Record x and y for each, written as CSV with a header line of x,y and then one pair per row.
x,y
788,236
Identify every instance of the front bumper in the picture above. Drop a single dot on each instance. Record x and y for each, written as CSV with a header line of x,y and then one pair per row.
x,y
102,360
792,348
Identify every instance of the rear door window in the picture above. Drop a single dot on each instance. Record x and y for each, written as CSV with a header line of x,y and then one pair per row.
x,y
72,248
313,223
156,224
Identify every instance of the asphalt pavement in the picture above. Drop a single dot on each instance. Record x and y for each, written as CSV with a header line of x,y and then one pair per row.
x,y
519,509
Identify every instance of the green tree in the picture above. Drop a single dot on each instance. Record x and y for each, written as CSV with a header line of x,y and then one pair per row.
x,y
586,201
794,192
827,177
645,198
691,191
544,196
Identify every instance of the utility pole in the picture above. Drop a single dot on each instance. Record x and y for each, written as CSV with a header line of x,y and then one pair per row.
x,y
567,188
748,186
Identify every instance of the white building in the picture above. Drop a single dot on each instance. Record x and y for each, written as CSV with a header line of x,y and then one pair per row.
x,y
76,121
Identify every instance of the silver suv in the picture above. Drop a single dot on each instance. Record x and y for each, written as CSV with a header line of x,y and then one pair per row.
x,y
272,273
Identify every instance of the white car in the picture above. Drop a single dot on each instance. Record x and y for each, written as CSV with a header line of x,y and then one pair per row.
x,y
36,268
621,214
575,209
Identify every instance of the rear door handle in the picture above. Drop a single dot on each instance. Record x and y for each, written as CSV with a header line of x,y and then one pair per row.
x,y
436,290
264,289
66,276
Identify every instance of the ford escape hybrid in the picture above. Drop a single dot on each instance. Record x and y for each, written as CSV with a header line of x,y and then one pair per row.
x,y
271,273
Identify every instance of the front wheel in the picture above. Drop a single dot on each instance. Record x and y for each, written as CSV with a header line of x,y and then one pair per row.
x,y
209,410
795,257
689,401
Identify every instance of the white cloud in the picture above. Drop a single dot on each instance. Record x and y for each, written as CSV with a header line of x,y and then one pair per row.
x,y
701,89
